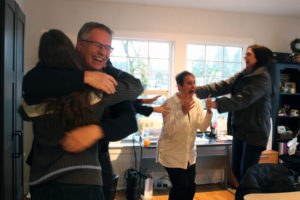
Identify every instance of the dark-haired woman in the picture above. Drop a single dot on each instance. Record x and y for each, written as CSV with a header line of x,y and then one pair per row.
x,y
57,170
249,107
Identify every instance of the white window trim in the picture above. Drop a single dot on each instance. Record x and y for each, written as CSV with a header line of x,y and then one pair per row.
x,y
171,63
243,46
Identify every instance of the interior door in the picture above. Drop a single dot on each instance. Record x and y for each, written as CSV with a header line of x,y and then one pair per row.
x,y
12,56
18,180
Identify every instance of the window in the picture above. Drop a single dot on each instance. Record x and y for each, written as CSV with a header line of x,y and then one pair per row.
x,y
211,63
148,60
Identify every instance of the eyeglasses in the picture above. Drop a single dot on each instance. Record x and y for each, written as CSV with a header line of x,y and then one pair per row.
x,y
100,45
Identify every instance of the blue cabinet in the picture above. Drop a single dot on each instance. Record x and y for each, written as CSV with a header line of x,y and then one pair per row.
x,y
285,103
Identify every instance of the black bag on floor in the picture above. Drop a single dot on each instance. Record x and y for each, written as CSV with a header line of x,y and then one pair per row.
x,y
134,184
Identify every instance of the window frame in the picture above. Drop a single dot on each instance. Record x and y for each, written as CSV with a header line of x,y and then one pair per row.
x,y
243,66
242,46
170,59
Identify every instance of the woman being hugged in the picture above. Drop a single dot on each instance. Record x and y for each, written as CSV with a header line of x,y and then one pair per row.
x,y
58,169
176,144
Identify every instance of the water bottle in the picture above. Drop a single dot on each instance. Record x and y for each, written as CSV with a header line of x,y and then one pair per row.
x,y
148,193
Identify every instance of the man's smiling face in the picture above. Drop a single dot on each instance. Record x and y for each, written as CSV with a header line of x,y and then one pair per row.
x,y
92,49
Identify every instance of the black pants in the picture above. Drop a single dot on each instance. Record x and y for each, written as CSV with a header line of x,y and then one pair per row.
x,y
183,183
63,191
107,171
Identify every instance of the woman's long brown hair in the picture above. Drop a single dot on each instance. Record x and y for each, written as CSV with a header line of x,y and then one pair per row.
x,y
56,50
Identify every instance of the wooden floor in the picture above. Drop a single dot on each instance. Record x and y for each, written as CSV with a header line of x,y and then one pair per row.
x,y
203,192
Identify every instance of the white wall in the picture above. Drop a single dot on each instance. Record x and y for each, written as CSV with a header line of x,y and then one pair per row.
x,y
162,22
178,24
20,3
132,20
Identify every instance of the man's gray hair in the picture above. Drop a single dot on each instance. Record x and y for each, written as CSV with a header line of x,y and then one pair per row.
x,y
87,27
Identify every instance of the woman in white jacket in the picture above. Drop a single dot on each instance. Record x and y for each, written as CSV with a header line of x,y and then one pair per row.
x,y
176,145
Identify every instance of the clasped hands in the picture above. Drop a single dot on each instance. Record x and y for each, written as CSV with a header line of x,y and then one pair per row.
x,y
187,103
210,104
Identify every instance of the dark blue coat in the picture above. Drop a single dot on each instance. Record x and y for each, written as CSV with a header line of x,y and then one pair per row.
x,y
249,105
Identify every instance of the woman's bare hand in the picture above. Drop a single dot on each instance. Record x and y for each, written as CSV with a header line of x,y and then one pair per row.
x,y
163,109
187,104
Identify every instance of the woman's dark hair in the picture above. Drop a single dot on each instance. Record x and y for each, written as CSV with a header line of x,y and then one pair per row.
x,y
263,56
56,50
180,77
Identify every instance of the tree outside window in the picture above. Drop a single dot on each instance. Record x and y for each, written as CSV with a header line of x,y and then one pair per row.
x,y
148,60
213,63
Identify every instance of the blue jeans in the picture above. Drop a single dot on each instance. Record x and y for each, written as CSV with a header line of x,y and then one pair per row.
x,y
61,191
243,156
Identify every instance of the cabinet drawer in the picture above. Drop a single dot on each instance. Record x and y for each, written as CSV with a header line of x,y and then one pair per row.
x,y
269,156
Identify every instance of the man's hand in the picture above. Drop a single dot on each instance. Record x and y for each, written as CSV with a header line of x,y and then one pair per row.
x,y
82,138
150,101
101,81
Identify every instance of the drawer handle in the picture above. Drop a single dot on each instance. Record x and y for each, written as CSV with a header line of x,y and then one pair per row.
x,y
264,157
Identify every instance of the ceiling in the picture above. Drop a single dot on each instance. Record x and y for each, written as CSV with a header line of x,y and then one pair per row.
x,y
287,8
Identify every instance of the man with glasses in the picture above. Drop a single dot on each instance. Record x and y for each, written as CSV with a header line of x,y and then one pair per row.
x,y
94,48
100,45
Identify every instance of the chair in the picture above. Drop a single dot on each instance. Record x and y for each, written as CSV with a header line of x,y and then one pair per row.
x,y
267,178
